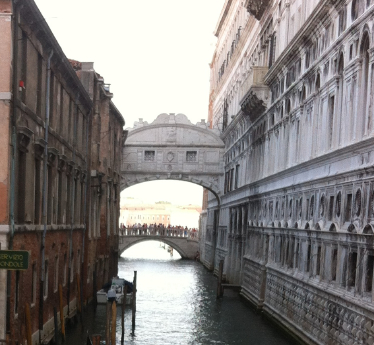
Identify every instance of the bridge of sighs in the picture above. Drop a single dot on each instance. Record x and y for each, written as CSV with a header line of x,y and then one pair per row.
x,y
172,148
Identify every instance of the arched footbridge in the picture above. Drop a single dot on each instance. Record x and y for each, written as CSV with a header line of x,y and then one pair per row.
x,y
185,243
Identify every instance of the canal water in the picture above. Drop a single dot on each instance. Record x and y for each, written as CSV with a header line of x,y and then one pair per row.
x,y
176,304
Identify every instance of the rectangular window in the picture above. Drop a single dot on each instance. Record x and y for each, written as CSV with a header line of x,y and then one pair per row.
x,y
308,258
37,193
237,176
334,262
23,66
348,208
191,156
72,268
65,269
297,253
68,199
82,188
52,100
352,268
318,265
21,195
331,118
33,284
369,273
307,209
331,207
61,111
231,179
45,287
79,262
76,201
16,297
55,280
50,195
39,87
59,198
149,156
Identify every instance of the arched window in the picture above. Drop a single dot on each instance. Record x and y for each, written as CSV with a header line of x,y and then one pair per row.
x,y
288,106
365,43
354,9
340,92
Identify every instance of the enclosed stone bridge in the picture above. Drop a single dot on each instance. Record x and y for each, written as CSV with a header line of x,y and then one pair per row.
x,y
172,148
186,244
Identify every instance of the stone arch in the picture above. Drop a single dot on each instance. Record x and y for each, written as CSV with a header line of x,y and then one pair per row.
x,y
368,229
352,228
170,243
333,227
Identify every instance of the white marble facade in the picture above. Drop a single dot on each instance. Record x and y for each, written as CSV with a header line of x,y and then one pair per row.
x,y
292,95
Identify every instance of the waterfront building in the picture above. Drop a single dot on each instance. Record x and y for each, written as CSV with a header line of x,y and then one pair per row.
x,y
292,94
107,139
54,160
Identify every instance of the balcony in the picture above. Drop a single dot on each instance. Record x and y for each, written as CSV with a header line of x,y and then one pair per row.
x,y
256,7
254,94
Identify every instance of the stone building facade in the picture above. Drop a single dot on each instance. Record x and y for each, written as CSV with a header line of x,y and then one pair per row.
x,y
106,141
292,94
50,164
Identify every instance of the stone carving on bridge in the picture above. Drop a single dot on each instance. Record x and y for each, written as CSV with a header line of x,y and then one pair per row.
x,y
179,151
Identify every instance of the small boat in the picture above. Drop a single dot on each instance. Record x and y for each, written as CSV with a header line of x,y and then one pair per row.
x,y
117,284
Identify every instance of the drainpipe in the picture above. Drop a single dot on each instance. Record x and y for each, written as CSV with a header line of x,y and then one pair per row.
x,y
44,194
13,151
72,214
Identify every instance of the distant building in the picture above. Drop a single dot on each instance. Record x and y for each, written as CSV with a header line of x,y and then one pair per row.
x,y
133,211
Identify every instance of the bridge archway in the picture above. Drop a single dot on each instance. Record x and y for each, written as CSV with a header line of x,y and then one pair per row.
x,y
186,249
172,148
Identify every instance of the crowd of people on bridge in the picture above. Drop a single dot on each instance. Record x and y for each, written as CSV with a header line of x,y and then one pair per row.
x,y
158,230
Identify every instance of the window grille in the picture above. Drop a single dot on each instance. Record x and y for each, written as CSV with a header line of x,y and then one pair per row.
x,y
149,156
191,156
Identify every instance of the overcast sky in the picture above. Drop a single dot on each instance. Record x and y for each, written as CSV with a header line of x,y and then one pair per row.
x,y
154,53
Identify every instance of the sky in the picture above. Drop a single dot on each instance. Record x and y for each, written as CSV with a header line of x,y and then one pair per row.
x,y
154,53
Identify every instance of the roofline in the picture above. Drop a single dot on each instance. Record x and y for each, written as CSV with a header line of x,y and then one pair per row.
x,y
51,40
117,112
222,17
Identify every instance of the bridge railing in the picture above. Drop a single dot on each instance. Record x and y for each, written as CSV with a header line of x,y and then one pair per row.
x,y
158,231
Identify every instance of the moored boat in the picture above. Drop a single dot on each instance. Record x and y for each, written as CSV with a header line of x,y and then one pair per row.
x,y
117,284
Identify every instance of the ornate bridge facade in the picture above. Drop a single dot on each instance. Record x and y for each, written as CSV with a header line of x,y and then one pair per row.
x,y
172,148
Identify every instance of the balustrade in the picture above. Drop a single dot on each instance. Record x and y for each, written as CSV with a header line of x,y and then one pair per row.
x,y
161,231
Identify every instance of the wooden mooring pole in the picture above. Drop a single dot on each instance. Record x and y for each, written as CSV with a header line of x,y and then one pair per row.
x,y
123,307
134,301
219,282
28,324
62,318
56,325
107,328
114,320
96,339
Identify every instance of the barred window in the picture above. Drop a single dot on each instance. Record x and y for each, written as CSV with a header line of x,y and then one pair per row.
x,y
191,156
149,156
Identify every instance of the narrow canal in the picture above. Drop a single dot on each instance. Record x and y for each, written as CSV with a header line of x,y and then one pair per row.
x,y
176,304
